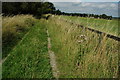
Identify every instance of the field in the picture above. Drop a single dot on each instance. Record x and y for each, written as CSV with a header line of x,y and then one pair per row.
x,y
107,26
79,52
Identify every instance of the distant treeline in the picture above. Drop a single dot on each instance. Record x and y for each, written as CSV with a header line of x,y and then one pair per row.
x,y
35,8
103,16
39,8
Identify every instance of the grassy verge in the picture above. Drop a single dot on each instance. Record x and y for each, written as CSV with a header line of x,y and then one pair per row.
x,y
108,26
81,53
29,59
13,30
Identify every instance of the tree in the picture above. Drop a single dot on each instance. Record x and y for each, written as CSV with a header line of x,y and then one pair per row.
x,y
35,8
58,12
104,16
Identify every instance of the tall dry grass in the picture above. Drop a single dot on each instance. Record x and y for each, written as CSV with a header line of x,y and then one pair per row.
x,y
13,29
81,53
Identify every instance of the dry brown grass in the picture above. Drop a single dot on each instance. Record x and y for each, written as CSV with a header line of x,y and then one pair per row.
x,y
82,53
13,29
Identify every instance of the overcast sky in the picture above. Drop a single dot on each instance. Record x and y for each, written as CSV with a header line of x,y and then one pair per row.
x,y
83,0
109,7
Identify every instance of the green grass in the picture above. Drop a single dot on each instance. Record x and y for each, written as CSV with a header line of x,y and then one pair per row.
x,y
13,30
108,26
29,59
81,53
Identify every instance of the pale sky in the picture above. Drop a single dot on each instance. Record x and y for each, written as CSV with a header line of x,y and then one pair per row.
x,y
60,0
83,0
109,7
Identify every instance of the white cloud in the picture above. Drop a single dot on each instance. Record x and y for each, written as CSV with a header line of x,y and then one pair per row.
x,y
84,4
83,0
102,0
109,8
98,5
64,0
113,5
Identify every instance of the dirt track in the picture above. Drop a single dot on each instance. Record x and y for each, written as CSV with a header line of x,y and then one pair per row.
x,y
52,59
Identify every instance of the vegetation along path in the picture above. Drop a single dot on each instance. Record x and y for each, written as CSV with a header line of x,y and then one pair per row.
x,y
30,58
52,59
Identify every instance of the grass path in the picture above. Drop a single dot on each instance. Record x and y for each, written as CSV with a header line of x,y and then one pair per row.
x,y
30,58
52,59
3,60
